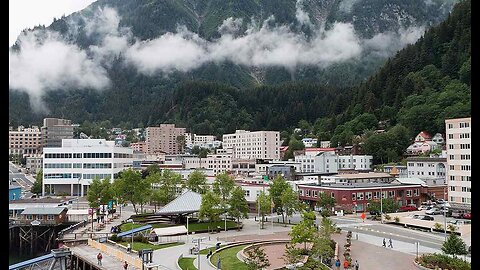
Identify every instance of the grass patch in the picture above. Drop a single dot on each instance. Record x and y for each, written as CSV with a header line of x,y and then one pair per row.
x,y
139,245
186,263
206,250
128,226
228,258
203,226
435,260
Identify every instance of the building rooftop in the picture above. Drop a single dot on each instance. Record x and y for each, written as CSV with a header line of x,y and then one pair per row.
x,y
355,185
363,175
427,159
188,202
13,187
43,211
410,181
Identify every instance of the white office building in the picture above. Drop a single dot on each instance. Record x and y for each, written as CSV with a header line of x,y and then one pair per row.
x,y
71,168
428,168
253,145
459,163
329,162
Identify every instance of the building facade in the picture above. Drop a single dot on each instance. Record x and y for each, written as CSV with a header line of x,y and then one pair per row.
x,y
71,168
139,147
253,145
166,138
459,164
54,130
428,168
329,162
25,141
34,163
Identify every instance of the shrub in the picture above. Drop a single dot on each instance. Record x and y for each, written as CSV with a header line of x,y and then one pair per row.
x,y
114,238
437,226
388,217
397,219
436,260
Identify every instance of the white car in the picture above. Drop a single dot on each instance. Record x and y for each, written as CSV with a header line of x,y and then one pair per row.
x,y
433,211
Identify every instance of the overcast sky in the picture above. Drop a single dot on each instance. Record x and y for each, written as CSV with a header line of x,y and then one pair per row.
x,y
29,13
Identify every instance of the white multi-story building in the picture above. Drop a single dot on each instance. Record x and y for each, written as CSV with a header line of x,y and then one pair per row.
x,y
329,162
202,141
25,141
428,168
262,168
220,162
309,142
459,164
71,168
253,145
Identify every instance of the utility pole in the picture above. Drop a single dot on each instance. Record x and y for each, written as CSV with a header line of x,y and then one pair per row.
x,y
381,205
198,241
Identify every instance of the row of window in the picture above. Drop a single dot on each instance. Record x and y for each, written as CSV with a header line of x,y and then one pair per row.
x,y
464,189
40,217
363,195
463,178
75,175
464,146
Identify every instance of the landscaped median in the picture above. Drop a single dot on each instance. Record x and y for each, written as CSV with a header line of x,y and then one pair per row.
x,y
186,263
228,257
440,261
192,227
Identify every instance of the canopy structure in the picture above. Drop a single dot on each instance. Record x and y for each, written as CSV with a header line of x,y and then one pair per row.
x,y
136,230
169,231
187,203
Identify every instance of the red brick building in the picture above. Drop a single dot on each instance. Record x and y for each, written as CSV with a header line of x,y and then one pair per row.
x,y
350,196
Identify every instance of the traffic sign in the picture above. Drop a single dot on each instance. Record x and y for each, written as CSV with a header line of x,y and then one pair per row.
x,y
363,215
265,178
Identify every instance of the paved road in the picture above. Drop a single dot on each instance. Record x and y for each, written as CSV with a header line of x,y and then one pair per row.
x,y
25,181
89,253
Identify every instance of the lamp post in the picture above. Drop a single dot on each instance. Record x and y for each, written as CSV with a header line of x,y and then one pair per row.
x,y
381,205
187,227
445,212
78,194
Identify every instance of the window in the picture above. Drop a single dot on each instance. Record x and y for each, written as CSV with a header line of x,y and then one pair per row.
x,y
452,167
50,217
332,194
368,195
360,196
452,188
247,193
452,178
416,192
452,156
450,126
29,216
450,146
354,196
307,193
409,193
391,193
450,136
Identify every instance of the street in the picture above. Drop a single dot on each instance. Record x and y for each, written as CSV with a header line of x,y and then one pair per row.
x,y
18,178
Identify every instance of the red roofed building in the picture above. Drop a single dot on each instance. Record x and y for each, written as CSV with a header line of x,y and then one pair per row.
x,y
423,136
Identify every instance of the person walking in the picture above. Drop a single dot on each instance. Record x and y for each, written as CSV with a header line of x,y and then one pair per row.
x,y
125,265
345,264
337,264
209,254
129,248
390,244
356,265
99,258
384,243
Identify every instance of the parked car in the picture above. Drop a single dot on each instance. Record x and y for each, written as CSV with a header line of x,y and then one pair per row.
x,y
407,208
423,217
433,211
459,222
467,215
374,212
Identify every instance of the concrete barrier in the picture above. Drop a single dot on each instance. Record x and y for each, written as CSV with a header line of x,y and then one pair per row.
x,y
136,262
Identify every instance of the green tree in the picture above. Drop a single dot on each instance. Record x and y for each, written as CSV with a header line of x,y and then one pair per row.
x,y
264,206
305,230
210,207
100,192
292,254
327,228
238,205
389,205
256,258
454,245
131,187
322,248
223,185
277,187
290,202
325,201
197,182
37,185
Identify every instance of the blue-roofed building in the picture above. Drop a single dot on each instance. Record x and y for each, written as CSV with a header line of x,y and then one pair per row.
x,y
14,192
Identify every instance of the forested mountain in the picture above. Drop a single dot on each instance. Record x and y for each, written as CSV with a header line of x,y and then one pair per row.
x,y
142,97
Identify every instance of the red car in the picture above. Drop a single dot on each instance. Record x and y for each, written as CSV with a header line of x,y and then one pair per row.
x,y
467,215
407,208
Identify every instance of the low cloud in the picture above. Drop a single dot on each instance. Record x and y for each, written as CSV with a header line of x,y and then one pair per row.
x,y
46,61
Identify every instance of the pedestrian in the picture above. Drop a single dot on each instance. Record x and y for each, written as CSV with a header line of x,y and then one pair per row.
x,y
99,258
390,244
337,264
345,264
356,265
384,243
129,248
219,264
125,265
209,253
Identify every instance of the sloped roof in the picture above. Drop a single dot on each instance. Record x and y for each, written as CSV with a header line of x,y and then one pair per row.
x,y
43,211
411,180
136,230
188,202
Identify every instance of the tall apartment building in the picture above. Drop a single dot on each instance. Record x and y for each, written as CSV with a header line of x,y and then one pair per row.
x,y
71,168
459,164
164,139
54,130
25,141
253,145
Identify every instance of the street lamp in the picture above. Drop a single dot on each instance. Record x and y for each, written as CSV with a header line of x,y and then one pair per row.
x,y
132,222
78,194
187,227
381,205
